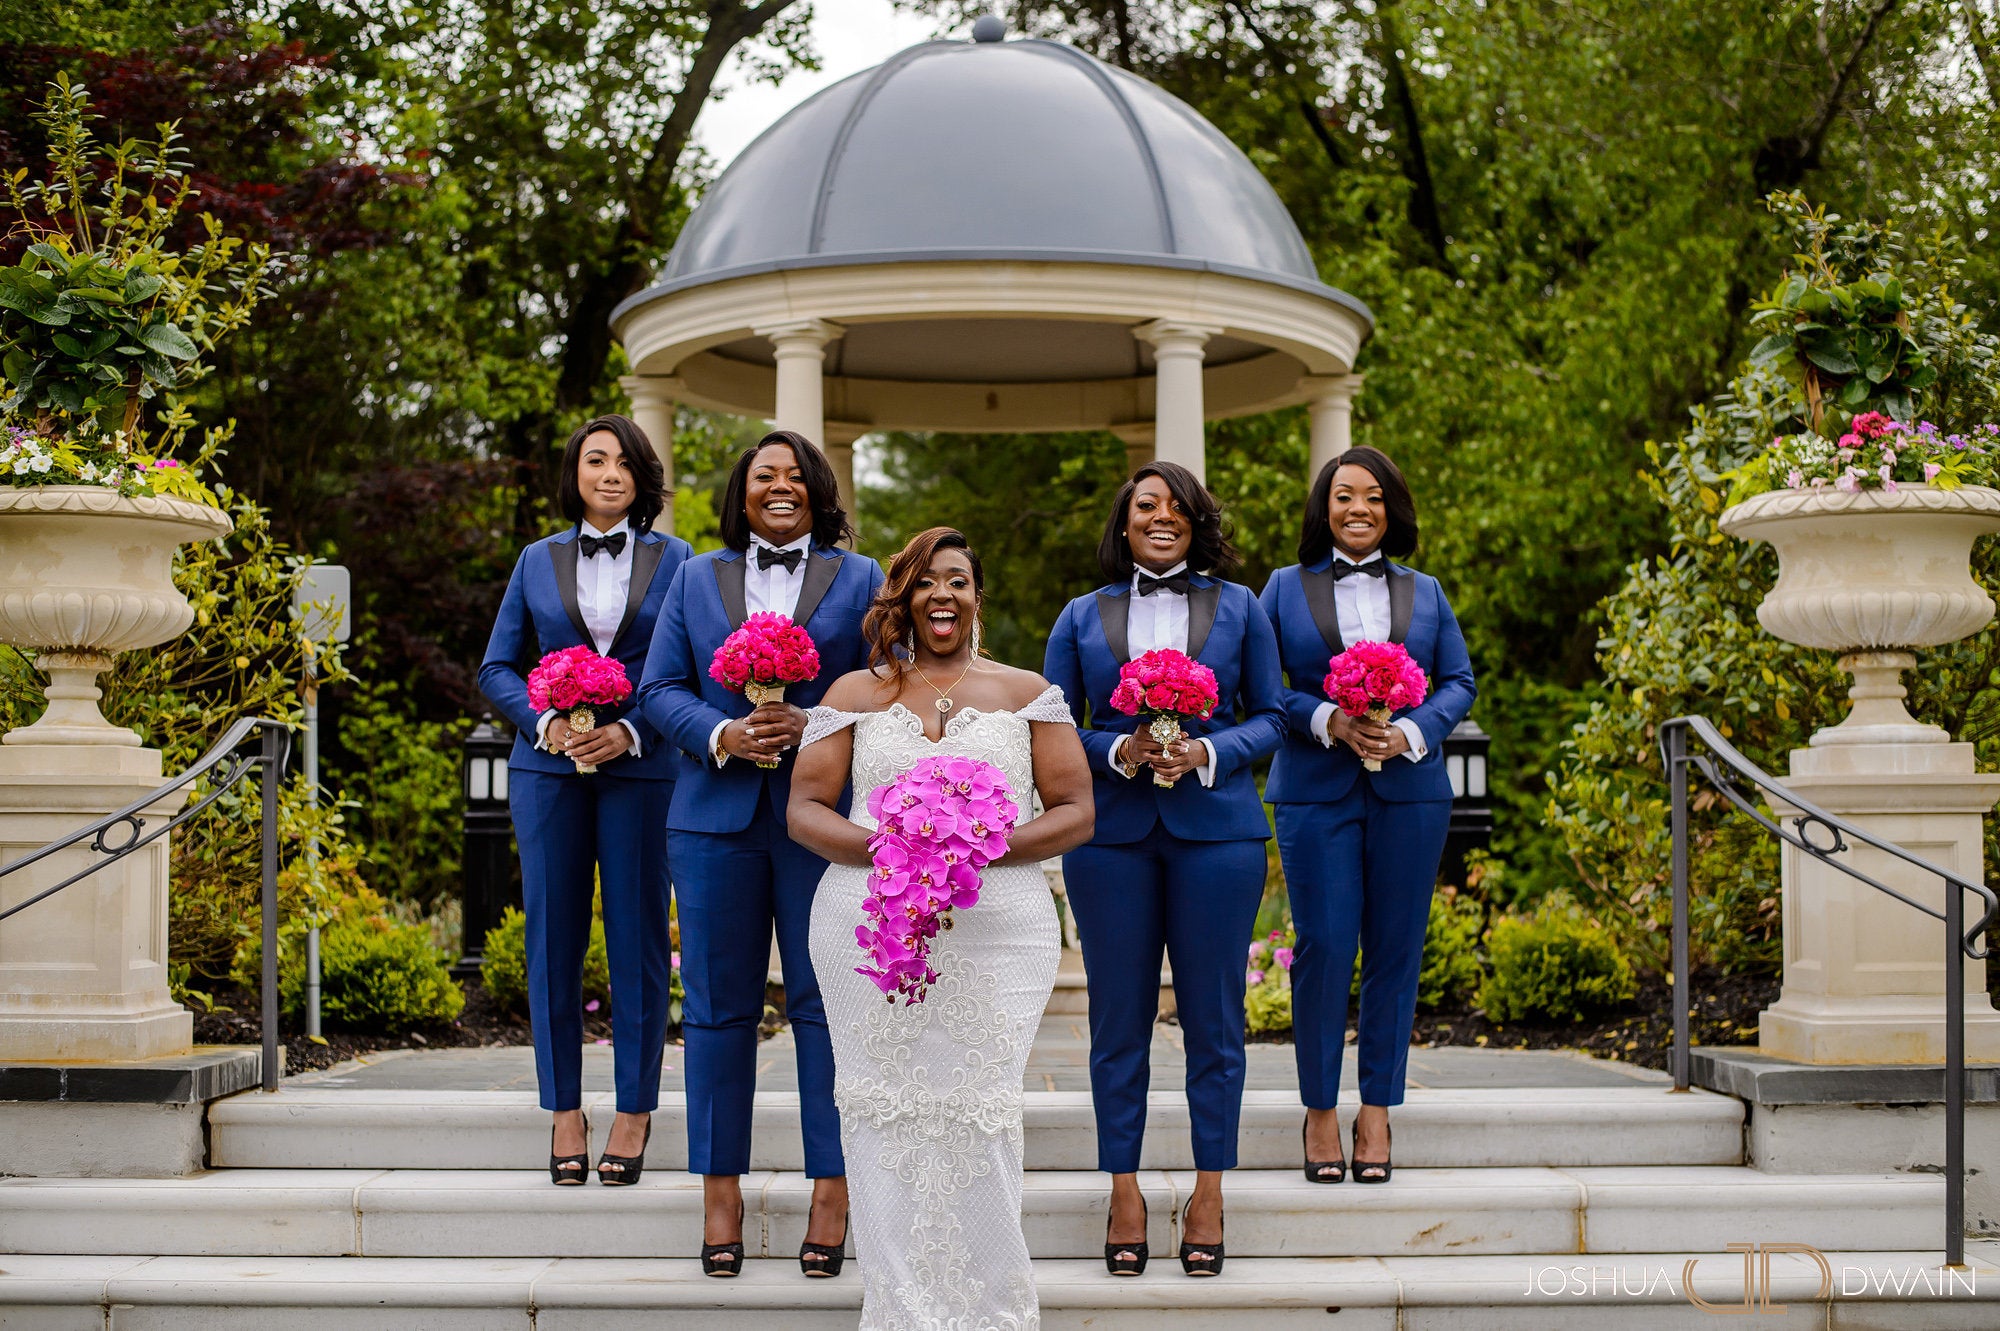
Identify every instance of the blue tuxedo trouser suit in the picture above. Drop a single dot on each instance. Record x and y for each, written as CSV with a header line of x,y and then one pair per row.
x,y
579,835
1177,872
738,875
1360,849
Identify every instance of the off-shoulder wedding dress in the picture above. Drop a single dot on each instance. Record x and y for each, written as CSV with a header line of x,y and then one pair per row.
x,y
930,1093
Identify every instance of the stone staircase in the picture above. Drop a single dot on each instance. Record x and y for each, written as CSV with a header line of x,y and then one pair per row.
x,y
332,1205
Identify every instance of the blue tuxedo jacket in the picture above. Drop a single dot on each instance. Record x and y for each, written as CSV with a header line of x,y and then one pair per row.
x,y
1228,633
705,605
1301,606
539,615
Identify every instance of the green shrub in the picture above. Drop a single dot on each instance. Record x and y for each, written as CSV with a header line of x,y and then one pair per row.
x,y
504,967
377,974
406,771
1557,963
1267,1007
1452,968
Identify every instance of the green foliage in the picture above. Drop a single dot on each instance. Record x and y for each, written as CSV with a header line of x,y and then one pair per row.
x,y
377,973
505,962
1452,970
408,827
1556,964
1267,1007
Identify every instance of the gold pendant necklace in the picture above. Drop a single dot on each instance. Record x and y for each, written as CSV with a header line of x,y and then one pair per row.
x,y
944,703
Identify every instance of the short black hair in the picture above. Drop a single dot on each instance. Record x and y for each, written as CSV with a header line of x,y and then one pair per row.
x,y
649,478
1209,552
1316,533
830,522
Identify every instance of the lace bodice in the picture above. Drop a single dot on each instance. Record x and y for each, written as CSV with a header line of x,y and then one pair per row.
x,y
889,743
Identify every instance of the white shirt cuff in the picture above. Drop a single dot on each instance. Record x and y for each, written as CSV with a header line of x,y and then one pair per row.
x,y
633,731
542,730
1207,770
1119,765
1418,750
1322,724
715,749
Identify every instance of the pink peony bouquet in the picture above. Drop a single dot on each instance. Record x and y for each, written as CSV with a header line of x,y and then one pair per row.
x,y
762,657
1168,685
573,681
938,825
1375,680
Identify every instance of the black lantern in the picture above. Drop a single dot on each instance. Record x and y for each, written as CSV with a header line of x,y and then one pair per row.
x,y
492,871
1465,752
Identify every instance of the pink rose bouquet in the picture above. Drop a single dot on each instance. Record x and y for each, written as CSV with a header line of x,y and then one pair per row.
x,y
1168,685
938,825
573,681
762,657
1375,680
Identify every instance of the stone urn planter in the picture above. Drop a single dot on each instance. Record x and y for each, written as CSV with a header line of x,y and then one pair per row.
x,y
1872,575
86,573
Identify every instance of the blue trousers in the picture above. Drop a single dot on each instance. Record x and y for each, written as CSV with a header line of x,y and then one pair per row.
x,y
1196,901
1360,871
734,888
608,833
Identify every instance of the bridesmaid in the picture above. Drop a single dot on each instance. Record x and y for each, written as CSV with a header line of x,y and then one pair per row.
x,y
736,871
1178,869
599,584
1360,848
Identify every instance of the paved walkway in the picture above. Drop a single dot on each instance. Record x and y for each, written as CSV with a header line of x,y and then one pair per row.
x,y
1060,1063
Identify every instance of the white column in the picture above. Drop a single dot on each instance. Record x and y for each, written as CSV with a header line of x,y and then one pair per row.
x,y
839,445
652,398
1332,411
1177,407
1138,438
800,346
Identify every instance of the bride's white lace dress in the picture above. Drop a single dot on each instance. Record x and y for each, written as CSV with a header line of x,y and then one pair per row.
x,y
930,1094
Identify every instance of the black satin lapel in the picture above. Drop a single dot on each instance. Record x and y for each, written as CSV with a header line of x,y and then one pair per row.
x,y
563,555
729,581
1318,589
1113,612
645,560
820,571
1202,603
1402,597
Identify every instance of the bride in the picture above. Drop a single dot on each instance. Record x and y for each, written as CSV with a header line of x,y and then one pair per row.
x,y
930,1092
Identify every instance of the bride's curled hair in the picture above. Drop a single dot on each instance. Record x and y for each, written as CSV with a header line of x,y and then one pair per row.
x,y
887,628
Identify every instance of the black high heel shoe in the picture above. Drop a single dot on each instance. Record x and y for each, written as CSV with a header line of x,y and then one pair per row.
x,y
1114,1260
629,1167
712,1253
831,1255
1322,1171
569,1171
1210,1252
1375,1171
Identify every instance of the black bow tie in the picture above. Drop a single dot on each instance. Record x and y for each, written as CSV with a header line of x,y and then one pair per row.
x,y
766,557
1374,568
614,544
1173,582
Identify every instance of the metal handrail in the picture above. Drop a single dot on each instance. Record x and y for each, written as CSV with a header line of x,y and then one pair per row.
x,y
1723,767
230,756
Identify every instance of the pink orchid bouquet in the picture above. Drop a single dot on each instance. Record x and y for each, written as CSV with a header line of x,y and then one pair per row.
x,y
1166,685
938,826
1375,680
761,658
1873,453
574,681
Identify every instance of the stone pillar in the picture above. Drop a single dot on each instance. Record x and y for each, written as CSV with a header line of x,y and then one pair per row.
x,y
1138,438
839,445
1178,421
652,397
800,346
1332,411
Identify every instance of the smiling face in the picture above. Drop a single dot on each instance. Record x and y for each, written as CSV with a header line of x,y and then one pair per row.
x,y
775,498
1157,531
944,604
1356,511
604,480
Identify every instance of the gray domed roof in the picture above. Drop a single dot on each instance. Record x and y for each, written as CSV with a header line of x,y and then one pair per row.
x,y
992,150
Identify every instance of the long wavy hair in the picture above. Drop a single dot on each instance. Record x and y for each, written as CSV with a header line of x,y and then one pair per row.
x,y
888,622
830,522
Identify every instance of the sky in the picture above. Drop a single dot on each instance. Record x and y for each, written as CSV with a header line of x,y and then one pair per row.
x,y
849,35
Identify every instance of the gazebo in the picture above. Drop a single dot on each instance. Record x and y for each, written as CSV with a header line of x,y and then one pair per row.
x,y
993,236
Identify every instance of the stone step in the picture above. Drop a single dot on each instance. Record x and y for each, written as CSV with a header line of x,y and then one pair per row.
x,y
331,1128
1552,1292
516,1213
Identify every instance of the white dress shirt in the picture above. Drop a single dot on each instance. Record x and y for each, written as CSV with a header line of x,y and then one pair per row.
x,y
767,590
1156,623
1362,605
603,581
